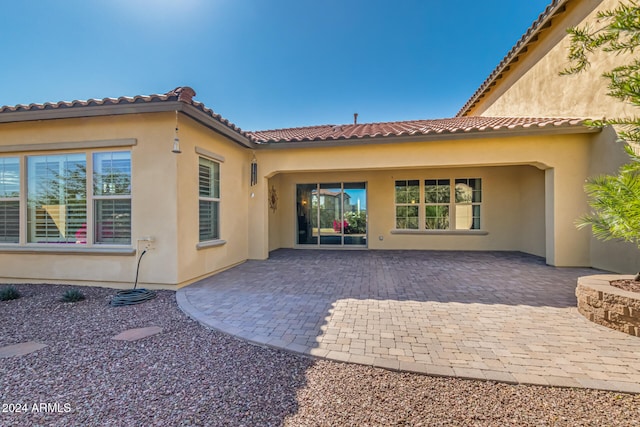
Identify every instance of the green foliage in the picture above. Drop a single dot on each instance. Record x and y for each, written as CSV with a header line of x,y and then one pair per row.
x,y
618,32
72,295
8,293
615,199
356,222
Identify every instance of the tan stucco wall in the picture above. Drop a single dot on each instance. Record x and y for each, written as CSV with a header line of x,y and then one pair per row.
x,y
234,203
164,203
566,155
512,208
278,217
534,88
615,256
153,192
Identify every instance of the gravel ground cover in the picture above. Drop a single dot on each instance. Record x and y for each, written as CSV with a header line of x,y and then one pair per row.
x,y
189,375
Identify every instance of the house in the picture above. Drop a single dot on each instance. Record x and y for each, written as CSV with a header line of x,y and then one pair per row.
x,y
87,187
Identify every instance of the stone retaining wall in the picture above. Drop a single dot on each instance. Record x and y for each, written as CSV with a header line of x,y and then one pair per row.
x,y
607,305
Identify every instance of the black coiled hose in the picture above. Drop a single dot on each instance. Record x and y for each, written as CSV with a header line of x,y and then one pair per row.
x,y
133,296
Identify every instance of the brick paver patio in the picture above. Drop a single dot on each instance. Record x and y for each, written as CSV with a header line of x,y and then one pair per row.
x,y
499,316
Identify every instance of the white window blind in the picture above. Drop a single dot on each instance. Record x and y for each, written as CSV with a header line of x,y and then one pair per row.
x,y
112,197
58,209
209,199
57,198
9,200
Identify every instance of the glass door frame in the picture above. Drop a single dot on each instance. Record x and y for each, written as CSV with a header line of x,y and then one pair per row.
x,y
318,243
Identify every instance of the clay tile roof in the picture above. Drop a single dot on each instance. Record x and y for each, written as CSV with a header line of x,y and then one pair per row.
x,y
321,133
460,125
170,96
183,94
531,35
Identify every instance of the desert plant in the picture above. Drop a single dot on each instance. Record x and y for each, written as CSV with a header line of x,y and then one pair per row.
x,y
72,295
9,293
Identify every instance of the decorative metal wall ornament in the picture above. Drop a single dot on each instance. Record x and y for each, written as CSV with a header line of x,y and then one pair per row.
x,y
273,198
254,171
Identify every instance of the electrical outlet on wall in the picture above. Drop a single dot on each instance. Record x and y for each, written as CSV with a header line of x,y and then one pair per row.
x,y
146,243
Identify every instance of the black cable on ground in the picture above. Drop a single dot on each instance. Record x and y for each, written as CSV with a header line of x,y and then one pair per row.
x,y
133,296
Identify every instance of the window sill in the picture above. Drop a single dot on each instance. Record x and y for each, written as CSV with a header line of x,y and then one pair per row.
x,y
443,232
211,244
62,250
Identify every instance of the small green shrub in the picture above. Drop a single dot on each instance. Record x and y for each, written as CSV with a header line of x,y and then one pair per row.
x,y
72,295
9,293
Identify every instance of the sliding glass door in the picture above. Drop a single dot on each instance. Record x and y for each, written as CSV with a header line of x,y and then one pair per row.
x,y
332,214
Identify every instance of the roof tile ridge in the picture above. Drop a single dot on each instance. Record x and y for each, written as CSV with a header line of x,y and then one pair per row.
x,y
295,128
202,107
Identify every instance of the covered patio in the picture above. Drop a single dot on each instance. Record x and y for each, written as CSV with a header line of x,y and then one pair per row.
x,y
502,316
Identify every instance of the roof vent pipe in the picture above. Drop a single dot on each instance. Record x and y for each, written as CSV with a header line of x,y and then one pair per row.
x,y
355,118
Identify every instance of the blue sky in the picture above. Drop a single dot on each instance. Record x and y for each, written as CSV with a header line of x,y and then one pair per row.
x,y
263,64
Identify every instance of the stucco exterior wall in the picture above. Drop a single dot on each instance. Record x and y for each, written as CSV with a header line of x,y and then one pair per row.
x,y
153,203
616,256
533,87
164,199
530,223
512,222
234,202
278,214
518,189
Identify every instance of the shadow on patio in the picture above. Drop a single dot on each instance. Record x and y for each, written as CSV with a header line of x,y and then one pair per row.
x,y
491,315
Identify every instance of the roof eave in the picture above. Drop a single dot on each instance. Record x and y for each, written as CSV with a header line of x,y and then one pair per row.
x,y
215,125
122,109
444,136
88,111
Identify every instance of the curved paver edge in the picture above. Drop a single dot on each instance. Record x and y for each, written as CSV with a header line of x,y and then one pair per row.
x,y
396,365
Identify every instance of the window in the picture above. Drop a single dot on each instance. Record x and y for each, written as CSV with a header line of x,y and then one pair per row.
x,y
9,200
407,204
468,198
112,197
57,202
437,195
445,207
57,198
209,198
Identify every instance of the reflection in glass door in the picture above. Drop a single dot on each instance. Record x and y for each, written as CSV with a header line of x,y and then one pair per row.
x,y
330,210
332,214
355,213
307,206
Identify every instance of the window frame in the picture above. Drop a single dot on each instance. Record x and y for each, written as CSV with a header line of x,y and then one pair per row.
x,y
407,204
216,240
440,182
98,197
88,151
452,204
4,199
61,160
473,203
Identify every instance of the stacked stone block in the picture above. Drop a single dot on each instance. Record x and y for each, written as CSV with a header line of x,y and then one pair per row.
x,y
609,306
